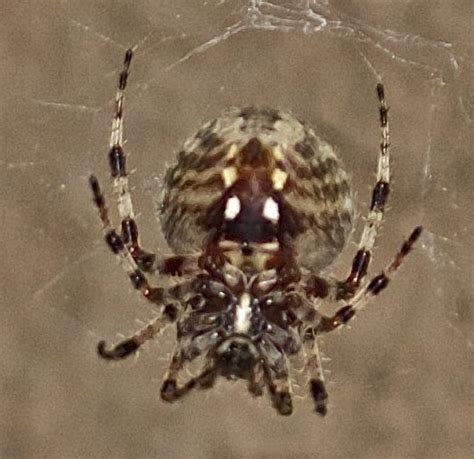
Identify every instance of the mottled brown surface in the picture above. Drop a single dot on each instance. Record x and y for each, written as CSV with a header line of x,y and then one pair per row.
x,y
401,378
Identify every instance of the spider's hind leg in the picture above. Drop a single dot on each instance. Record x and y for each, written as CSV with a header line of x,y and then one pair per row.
x,y
380,193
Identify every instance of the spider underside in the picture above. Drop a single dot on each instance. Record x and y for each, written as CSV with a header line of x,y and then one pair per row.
x,y
256,207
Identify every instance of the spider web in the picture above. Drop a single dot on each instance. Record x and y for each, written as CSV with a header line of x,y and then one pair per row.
x,y
320,59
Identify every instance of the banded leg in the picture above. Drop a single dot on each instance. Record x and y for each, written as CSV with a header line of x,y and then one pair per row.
x,y
370,288
159,296
316,382
256,382
132,344
117,162
170,391
279,387
360,264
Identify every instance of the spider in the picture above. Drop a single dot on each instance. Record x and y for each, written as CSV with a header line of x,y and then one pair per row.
x,y
256,207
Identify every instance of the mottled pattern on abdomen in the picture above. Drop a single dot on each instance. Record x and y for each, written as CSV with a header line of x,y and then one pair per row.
x,y
316,193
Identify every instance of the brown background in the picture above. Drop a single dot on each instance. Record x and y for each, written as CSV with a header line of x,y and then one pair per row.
x,y
400,378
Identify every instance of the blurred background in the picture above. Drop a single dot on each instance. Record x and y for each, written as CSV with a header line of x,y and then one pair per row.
x,y
400,377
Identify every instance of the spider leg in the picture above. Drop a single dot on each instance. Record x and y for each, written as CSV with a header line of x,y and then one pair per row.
x,y
314,368
361,261
370,288
170,382
170,391
132,344
256,382
163,297
118,172
159,296
279,387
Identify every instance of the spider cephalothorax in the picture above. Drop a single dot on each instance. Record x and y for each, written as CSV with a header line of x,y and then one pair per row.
x,y
256,206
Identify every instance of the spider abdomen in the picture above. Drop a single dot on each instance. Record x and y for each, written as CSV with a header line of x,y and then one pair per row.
x,y
256,176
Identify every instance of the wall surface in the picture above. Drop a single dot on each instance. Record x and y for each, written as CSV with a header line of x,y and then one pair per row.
x,y
400,377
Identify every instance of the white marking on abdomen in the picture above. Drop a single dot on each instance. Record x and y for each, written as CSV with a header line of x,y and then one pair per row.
x,y
279,179
270,210
232,208
229,176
